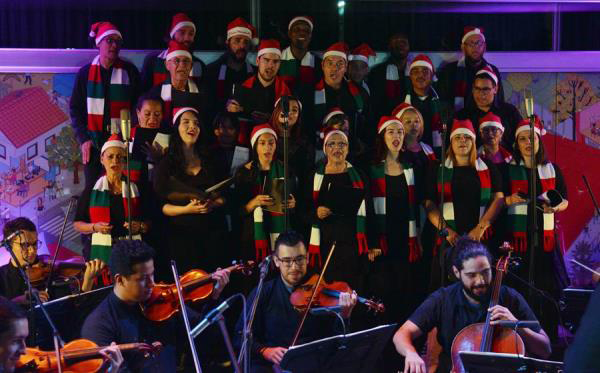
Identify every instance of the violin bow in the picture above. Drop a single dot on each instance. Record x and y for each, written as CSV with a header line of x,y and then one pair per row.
x,y
60,237
312,297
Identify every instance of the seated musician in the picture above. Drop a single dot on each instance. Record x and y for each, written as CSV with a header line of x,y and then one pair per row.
x,y
463,303
120,318
25,247
276,319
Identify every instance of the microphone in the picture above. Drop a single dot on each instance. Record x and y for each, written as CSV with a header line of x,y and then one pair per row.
x,y
265,266
11,236
125,124
285,105
518,324
325,310
528,102
211,317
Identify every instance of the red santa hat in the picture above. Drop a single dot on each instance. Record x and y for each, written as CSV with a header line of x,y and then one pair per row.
x,y
100,30
333,111
362,53
239,26
177,49
464,127
178,21
386,121
470,31
177,112
490,120
269,46
330,131
339,49
538,127
114,141
400,109
259,130
424,61
306,19
487,70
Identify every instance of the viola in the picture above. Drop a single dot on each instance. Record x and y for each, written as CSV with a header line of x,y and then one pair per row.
x,y
196,285
484,337
327,295
78,356
38,273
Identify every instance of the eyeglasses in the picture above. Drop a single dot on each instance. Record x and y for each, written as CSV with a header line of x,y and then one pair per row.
x,y
184,62
334,144
475,44
288,262
339,65
30,245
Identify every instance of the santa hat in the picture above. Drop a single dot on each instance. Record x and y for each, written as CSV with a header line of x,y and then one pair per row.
x,y
239,26
538,127
487,70
269,46
177,49
490,120
177,112
327,132
291,98
100,30
470,31
332,112
306,19
180,20
462,127
400,109
259,130
386,121
424,61
361,53
339,49
114,141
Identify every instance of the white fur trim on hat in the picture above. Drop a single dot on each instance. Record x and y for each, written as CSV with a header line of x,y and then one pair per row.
x,y
388,123
491,74
335,53
526,127
331,133
358,57
462,131
98,39
182,110
260,132
491,124
239,30
268,50
178,53
112,144
300,18
476,31
180,25
421,63
331,114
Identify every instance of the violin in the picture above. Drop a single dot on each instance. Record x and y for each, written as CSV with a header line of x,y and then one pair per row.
x,y
38,273
327,295
78,356
484,337
196,285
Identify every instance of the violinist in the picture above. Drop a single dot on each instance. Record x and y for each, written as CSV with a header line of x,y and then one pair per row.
x,y
25,246
463,303
276,319
119,317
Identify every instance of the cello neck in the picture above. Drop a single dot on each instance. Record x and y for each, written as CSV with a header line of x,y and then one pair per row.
x,y
488,330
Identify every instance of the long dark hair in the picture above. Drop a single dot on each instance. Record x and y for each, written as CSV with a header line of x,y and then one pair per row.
x,y
540,156
175,154
297,129
381,149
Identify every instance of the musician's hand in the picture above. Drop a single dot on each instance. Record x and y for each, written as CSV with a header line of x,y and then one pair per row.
x,y
347,301
102,227
452,236
221,276
500,313
414,364
514,199
42,294
274,354
113,355
374,253
323,212
291,202
92,268
233,106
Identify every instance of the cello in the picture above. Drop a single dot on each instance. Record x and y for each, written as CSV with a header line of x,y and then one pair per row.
x,y
484,337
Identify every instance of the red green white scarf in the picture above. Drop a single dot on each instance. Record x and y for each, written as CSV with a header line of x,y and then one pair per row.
x,y
394,82
460,84
428,150
321,99
290,69
119,92
517,214
506,155
378,191
222,77
100,212
166,92
160,74
267,228
314,247
436,119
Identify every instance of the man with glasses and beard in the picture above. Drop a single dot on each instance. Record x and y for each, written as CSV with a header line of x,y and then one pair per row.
x,y
276,319
463,303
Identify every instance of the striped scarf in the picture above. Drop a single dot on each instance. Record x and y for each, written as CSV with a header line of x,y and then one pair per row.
x,y
436,119
267,228
378,190
291,68
100,212
506,155
135,166
394,83
119,96
460,84
314,247
428,151
166,92
485,190
160,74
222,77
517,214
321,99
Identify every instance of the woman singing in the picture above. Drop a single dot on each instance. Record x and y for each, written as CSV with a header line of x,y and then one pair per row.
x,y
417,152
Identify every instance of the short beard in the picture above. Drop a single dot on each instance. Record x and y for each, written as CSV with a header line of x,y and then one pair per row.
x,y
479,298
235,57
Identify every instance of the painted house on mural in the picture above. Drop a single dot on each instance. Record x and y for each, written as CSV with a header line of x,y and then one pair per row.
x,y
29,121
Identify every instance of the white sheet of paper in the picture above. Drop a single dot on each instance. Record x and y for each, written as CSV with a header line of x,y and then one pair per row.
x,y
241,156
162,139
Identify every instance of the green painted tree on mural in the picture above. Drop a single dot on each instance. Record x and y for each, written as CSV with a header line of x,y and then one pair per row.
x,y
64,152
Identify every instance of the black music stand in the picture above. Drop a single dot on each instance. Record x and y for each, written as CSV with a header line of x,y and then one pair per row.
x,y
492,362
355,352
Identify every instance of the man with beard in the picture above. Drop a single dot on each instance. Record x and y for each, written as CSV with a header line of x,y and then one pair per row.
x,y
256,97
231,68
102,88
183,31
456,78
463,303
485,100
388,80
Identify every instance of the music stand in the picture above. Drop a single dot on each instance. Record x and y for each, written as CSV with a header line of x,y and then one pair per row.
x,y
355,352
492,362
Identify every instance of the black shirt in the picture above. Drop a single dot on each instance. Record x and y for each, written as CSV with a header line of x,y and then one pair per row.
x,y
508,113
232,77
256,99
383,105
11,283
449,310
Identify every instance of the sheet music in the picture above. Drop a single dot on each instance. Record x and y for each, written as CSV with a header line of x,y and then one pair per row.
x,y
241,156
162,139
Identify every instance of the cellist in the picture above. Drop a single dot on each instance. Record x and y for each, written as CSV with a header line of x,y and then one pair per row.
x,y
463,303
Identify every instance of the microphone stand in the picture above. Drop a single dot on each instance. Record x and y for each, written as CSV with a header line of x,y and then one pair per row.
x,y
533,237
285,111
589,189
126,132
442,229
58,342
